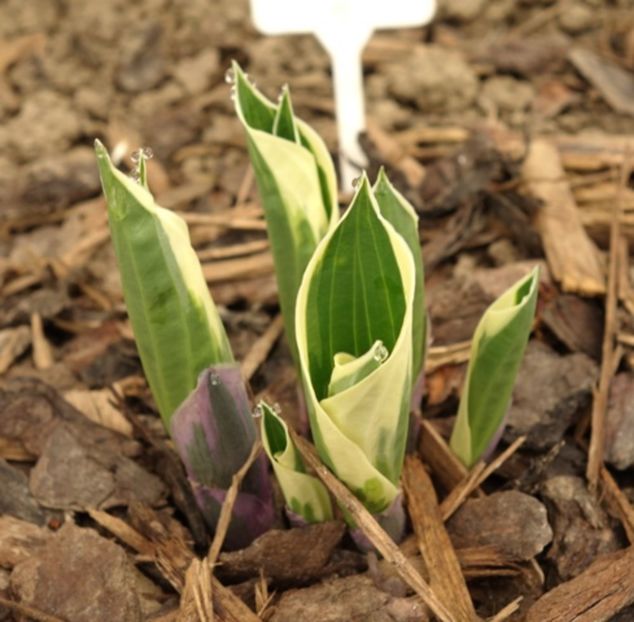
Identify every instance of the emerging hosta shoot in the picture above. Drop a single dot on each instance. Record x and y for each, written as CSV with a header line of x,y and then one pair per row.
x,y
213,430
496,353
179,335
297,185
306,497
396,209
354,321
175,322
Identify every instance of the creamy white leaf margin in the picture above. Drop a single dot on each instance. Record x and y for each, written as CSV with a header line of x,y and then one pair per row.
x,y
495,320
348,426
301,491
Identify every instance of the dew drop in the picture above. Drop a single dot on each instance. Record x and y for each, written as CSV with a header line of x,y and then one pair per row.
x,y
230,76
144,153
258,411
356,181
214,379
277,408
380,352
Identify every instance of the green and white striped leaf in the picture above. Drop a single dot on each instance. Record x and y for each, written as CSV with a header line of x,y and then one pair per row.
x,y
496,353
305,495
358,289
296,181
397,210
176,325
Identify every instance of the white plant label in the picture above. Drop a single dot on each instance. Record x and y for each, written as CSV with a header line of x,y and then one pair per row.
x,y
343,27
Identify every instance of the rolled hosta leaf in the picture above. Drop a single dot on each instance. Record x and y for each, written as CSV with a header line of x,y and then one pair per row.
x,y
213,430
396,209
175,322
496,353
296,181
354,336
306,497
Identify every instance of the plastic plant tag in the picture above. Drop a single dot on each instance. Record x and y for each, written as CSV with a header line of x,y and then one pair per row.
x,y
343,27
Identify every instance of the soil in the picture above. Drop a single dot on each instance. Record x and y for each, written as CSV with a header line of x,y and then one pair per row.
x,y
96,518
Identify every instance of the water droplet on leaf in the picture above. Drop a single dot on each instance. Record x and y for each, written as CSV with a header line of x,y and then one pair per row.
x,y
380,352
356,181
230,76
214,379
258,411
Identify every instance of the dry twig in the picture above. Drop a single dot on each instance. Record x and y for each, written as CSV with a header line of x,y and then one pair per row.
x,y
600,402
480,472
261,347
372,530
445,576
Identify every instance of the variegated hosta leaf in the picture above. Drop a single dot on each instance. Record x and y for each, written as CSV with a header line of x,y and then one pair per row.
x,y
305,495
175,322
355,303
496,353
297,185
213,430
401,215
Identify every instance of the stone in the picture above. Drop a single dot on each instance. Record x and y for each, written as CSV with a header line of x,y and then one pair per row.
x,y
506,94
619,424
62,178
142,64
79,576
514,523
580,526
19,540
577,18
196,73
346,599
16,500
565,387
461,10
46,124
434,78
275,554
72,474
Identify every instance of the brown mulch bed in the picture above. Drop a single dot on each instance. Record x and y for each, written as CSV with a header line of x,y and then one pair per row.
x,y
510,128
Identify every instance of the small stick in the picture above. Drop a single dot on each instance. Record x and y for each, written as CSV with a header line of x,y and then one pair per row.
x,y
235,250
600,402
434,544
508,611
245,186
478,475
372,530
227,505
619,503
42,354
261,347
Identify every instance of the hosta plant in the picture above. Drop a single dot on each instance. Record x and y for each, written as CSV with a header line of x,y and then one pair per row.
x,y
496,353
296,181
185,351
352,295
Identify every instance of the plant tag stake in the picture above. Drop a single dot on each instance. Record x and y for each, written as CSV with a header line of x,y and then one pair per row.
x,y
343,27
